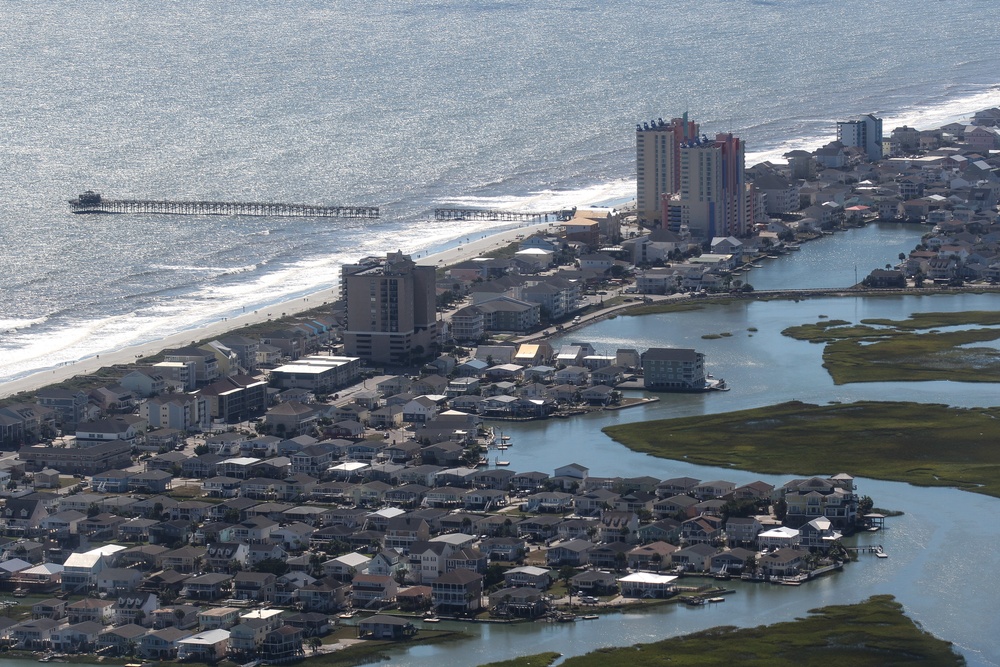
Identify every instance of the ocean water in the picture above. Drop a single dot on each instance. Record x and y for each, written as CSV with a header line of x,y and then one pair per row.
x,y
405,105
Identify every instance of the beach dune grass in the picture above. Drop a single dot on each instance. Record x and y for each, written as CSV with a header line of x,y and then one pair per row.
x,y
872,633
919,443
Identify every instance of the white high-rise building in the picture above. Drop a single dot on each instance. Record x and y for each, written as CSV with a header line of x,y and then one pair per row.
x,y
864,132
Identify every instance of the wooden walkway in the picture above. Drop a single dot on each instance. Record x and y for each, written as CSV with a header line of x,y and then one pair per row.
x,y
497,215
92,202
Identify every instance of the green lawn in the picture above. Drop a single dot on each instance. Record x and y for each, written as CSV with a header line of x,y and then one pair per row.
x,y
923,444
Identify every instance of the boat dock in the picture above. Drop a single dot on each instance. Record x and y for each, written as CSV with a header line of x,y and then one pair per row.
x,y
93,202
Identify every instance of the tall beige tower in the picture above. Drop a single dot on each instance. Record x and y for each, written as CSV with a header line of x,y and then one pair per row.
x,y
390,309
658,170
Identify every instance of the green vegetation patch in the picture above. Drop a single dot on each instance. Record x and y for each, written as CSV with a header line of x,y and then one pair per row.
x,y
824,332
937,320
915,357
919,443
879,350
875,632
664,307
537,660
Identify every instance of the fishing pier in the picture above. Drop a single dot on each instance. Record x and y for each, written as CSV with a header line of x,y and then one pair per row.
x,y
496,215
93,202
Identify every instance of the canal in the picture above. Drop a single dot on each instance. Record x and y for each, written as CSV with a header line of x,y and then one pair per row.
x,y
942,552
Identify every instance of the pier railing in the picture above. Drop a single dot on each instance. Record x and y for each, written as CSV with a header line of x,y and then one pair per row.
x,y
92,202
497,215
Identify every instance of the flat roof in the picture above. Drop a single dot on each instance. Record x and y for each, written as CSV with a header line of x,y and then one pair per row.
x,y
208,637
647,578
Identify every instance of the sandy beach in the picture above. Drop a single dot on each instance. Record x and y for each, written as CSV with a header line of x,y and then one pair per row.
x,y
128,355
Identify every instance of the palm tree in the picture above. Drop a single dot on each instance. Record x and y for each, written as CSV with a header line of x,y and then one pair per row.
x,y
315,643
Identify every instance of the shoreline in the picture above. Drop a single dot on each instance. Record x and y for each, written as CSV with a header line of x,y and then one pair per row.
x,y
222,327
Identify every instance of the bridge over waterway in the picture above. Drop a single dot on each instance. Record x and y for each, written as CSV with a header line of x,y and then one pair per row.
x,y
93,202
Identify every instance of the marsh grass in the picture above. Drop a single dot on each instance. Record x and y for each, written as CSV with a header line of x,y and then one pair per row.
x,y
919,443
879,350
873,633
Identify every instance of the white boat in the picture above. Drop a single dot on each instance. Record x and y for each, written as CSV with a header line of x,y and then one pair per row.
x,y
498,462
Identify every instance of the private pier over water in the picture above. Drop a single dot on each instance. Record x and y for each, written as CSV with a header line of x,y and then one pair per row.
x,y
93,202
492,214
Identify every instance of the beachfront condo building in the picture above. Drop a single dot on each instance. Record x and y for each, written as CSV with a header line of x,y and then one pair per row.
x,y
864,132
713,195
391,315
657,152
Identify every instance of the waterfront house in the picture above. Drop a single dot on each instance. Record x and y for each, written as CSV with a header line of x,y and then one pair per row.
x,y
161,644
248,635
833,498
696,558
323,596
121,640
778,537
742,530
458,592
207,646
33,634
76,638
595,582
676,486
818,533
518,602
311,624
282,644
528,576
647,585
373,591
385,628
730,561
784,562
673,369
654,556
713,489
